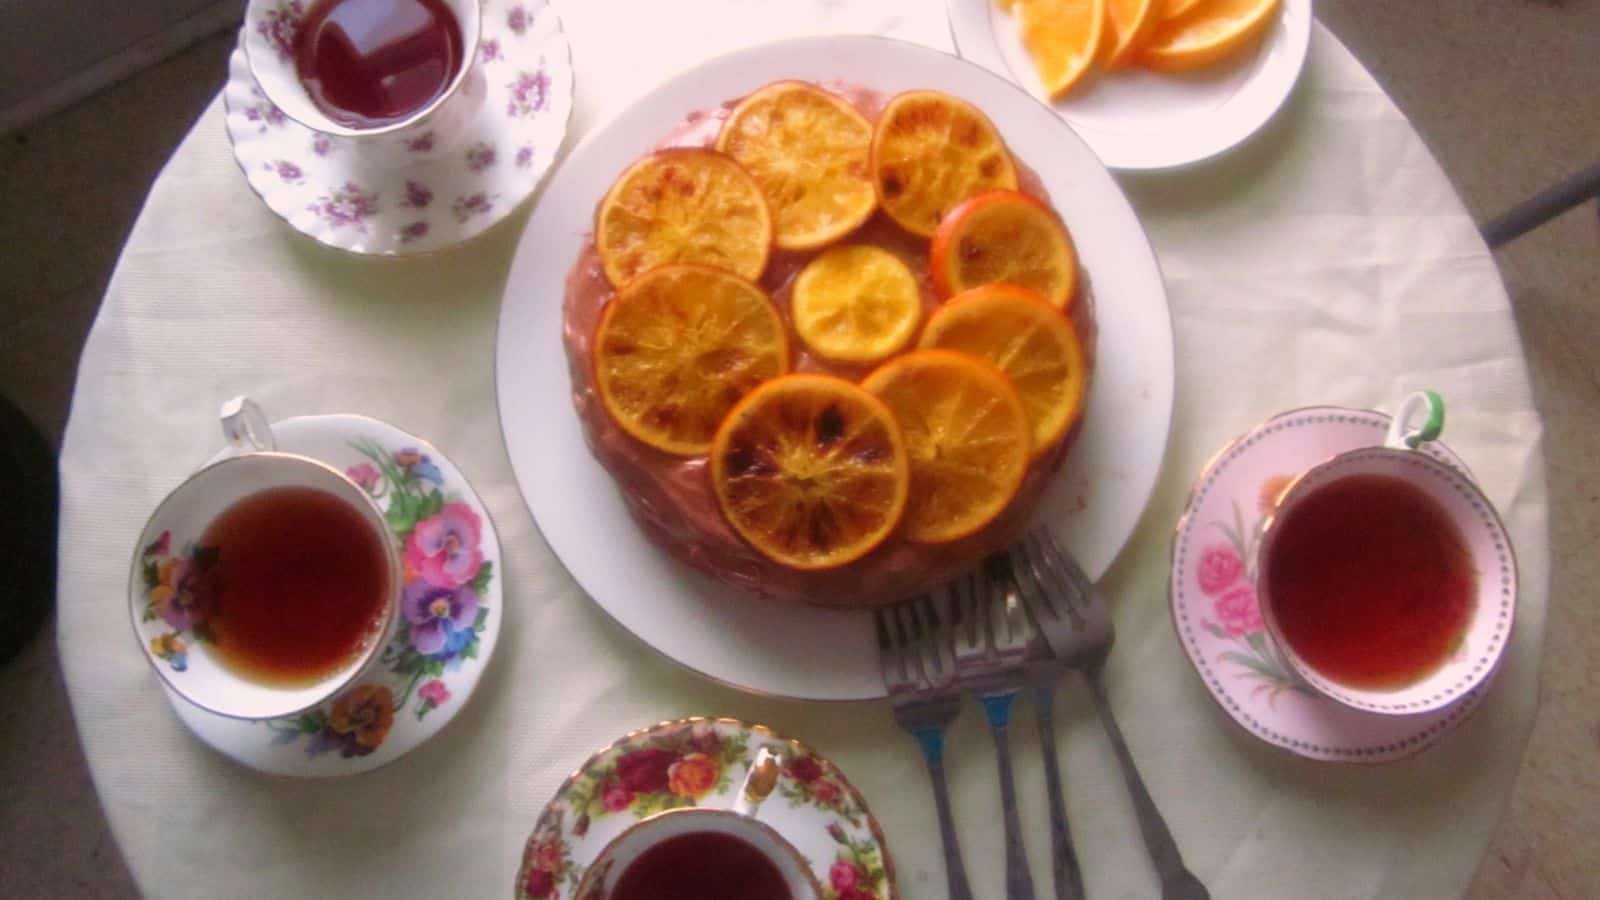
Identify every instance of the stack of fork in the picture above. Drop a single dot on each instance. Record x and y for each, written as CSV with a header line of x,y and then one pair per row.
x,y
1019,623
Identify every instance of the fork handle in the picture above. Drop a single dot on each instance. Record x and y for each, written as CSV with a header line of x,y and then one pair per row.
x,y
1063,859
931,740
1177,882
1019,881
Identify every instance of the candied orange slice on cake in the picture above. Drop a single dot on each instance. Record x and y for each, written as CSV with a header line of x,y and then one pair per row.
x,y
967,435
683,205
809,150
1064,37
856,303
1207,33
1004,237
678,346
811,470
1022,335
930,151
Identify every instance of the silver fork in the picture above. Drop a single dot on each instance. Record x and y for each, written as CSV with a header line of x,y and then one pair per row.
x,y
1043,674
991,648
1071,613
916,653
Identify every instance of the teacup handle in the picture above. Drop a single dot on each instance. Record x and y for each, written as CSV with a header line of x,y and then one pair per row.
x,y
760,781
245,426
1401,435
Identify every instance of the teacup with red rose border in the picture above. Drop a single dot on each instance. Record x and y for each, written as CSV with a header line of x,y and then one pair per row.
x,y
1385,576
270,41
178,582
705,765
695,845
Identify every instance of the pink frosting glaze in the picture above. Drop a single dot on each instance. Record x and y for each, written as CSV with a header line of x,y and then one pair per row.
x,y
671,496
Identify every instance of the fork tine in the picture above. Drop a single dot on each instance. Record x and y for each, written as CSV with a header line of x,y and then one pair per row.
x,y
885,646
1030,581
1063,568
988,609
939,665
1016,617
907,652
916,644
962,612
890,657
910,664
1011,617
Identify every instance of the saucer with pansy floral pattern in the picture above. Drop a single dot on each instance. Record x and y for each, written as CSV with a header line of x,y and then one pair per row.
x,y
442,189
1215,610
702,763
449,622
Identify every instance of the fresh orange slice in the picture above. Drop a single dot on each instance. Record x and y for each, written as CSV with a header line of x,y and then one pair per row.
x,y
1131,21
1004,237
1208,33
811,470
678,346
809,151
1064,39
930,151
683,205
856,303
1022,335
967,435
1176,8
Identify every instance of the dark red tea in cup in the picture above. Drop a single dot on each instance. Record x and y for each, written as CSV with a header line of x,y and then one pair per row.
x,y
702,865
370,63
1370,582
294,585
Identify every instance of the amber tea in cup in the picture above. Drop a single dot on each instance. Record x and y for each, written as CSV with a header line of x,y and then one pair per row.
x,y
295,585
1371,582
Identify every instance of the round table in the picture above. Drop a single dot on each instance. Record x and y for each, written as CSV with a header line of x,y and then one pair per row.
x,y
1325,261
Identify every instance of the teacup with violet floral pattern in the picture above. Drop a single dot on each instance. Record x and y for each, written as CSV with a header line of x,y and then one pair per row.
x,y
174,577
269,40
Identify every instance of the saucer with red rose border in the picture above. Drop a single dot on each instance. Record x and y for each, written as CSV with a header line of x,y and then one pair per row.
x,y
444,189
1213,597
701,762
449,617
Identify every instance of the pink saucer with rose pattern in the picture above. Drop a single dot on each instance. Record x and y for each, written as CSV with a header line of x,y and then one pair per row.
x,y
1213,596
334,191
448,623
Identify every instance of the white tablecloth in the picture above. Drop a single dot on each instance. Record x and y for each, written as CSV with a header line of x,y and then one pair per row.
x,y
1327,261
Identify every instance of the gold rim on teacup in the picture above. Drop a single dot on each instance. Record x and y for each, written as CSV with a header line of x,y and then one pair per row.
x,y
1460,498
253,457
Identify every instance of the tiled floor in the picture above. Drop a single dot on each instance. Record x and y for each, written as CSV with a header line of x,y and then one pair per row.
x,y
1503,90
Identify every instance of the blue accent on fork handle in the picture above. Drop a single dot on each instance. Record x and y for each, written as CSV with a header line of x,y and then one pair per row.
x,y
931,740
998,709
1019,881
